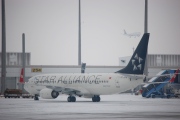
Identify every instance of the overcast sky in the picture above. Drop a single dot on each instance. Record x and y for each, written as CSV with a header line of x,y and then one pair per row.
x,y
51,28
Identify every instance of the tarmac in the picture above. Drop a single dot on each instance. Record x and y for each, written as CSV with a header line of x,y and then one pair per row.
x,y
111,107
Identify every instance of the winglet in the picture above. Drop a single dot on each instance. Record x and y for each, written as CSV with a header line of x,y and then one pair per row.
x,y
174,76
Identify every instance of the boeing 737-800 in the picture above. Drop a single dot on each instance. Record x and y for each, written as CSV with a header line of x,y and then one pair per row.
x,y
91,85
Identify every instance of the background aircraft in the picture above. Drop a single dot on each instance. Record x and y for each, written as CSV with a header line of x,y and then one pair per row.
x,y
135,34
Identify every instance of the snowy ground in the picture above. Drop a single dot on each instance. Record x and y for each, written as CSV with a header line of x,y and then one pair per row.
x,y
122,106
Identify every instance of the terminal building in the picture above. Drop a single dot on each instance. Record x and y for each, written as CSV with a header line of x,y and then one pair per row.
x,y
156,63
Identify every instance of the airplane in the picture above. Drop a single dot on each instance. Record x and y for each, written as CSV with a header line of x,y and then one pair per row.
x,y
135,34
171,76
91,85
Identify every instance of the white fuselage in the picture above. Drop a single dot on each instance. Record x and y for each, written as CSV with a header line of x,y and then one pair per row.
x,y
84,84
135,34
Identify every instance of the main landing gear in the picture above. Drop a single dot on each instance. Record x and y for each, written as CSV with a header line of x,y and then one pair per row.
x,y
96,98
71,99
36,97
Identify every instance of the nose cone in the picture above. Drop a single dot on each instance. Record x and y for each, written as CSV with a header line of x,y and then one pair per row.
x,y
31,87
26,87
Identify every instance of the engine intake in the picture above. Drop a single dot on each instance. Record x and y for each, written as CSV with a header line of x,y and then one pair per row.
x,y
48,93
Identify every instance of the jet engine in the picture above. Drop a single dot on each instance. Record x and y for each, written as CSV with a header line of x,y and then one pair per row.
x,y
48,93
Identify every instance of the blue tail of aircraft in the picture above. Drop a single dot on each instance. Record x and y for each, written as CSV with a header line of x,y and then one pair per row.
x,y
137,61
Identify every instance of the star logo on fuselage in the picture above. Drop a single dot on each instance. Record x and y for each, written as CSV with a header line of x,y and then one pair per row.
x,y
137,62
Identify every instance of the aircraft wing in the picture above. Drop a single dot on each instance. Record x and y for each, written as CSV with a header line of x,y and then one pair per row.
x,y
154,82
168,75
170,81
131,76
70,91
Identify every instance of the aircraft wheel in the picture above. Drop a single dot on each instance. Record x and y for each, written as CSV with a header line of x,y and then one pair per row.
x,y
71,99
36,97
153,96
96,99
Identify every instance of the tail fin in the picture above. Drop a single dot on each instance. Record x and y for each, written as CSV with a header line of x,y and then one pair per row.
x,y
21,79
174,76
137,61
125,32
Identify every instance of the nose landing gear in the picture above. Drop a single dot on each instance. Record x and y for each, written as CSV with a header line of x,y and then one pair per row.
x,y
36,97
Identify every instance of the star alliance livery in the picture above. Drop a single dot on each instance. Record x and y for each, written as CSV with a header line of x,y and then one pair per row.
x,y
91,85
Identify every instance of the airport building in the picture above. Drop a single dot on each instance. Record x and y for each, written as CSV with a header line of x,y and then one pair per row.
x,y
156,60
156,63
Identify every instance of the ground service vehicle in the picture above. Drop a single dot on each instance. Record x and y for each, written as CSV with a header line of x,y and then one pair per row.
x,y
12,93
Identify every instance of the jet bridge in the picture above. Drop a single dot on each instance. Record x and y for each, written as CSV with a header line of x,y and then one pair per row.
x,y
149,89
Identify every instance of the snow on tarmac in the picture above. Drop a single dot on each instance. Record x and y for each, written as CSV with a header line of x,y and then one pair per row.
x,y
119,106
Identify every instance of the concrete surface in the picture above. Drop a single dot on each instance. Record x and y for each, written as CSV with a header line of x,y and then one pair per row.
x,y
119,106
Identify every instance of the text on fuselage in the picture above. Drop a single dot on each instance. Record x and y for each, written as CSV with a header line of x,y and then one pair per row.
x,y
96,79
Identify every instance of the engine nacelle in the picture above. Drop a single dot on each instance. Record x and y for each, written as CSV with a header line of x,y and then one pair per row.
x,y
48,93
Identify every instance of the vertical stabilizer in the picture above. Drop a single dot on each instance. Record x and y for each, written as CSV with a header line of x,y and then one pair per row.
x,y
137,61
21,79
174,76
